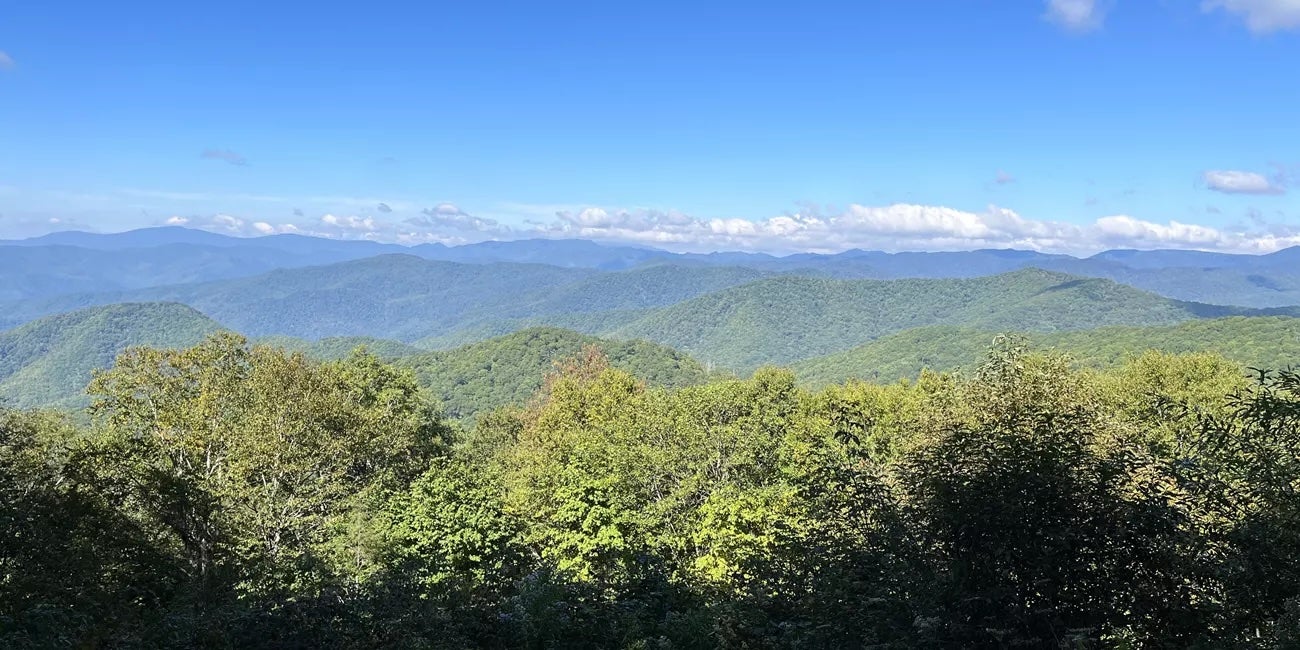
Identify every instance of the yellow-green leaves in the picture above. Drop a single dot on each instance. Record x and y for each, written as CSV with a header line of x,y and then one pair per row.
x,y
260,464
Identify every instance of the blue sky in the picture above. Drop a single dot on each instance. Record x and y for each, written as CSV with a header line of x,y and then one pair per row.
x,y
1063,125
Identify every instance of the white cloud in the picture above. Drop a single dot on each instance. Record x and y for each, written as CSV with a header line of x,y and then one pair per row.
x,y
898,227
1261,16
350,223
6,61
1239,182
443,209
1077,15
903,227
448,216
227,223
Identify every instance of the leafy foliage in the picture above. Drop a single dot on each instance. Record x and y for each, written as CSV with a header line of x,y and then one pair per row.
x,y
236,496
339,347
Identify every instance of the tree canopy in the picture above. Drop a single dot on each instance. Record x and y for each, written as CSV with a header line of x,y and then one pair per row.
x,y
235,495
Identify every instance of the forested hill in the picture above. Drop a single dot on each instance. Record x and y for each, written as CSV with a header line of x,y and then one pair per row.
x,y
1259,342
784,319
483,376
49,362
230,496
732,317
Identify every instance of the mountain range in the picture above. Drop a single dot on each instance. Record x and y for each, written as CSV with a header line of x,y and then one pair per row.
x,y
72,300
80,262
733,317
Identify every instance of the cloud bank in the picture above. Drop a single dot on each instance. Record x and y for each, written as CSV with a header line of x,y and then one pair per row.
x,y
896,227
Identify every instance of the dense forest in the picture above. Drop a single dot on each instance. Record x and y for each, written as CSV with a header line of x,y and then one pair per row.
x,y
46,363
481,377
1263,342
236,495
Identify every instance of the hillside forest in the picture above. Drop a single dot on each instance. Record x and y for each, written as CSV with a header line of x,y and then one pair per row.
x,y
232,495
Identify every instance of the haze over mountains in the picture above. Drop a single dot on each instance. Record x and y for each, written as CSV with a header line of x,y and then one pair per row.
x,y
84,297
62,263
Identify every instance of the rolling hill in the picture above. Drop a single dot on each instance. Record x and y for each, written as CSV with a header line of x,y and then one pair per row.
x,y
908,325
1262,342
787,318
507,370
733,317
48,362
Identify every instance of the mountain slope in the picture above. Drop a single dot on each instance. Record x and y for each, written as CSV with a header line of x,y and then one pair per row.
x,y
1261,342
44,271
507,370
399,297
48,362
785,319
597,303
338,347
1257,284
408,298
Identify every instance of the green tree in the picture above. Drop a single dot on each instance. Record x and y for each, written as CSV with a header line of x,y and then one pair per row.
x,y
1243,463
73,570
263,471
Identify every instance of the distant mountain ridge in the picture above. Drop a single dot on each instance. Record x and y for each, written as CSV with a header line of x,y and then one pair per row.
x,y
754,310
79,262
